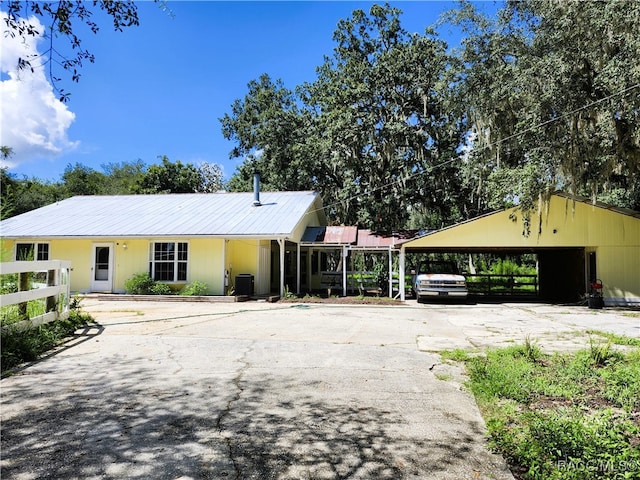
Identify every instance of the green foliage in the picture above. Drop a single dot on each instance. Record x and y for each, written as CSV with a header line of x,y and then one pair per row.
x,y
161,289
139,284
22,195
271,134
288,294
365,134
196,289
143,284
125,178
509,267
561,416
616,339
622,382
551,90
457,355
82,180
169,177
24,346
121,178
17,313
602,354
507,373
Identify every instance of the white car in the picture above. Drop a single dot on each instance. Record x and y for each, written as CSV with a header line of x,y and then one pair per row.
x,y
439,279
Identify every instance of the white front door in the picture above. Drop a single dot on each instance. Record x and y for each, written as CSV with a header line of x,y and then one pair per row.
x,y
102,267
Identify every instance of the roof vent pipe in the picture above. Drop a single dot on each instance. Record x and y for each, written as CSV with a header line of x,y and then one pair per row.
x,y
256,189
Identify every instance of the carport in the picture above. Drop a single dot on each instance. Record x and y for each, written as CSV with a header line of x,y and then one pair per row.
x,y
576,242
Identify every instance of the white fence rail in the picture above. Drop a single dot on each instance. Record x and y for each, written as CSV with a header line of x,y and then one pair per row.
x,y
56,291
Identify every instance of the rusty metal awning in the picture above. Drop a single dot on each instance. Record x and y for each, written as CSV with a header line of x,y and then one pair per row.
x,y
328,236
354,238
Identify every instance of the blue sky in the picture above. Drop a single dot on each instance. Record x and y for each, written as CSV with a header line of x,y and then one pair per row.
x,y
160,88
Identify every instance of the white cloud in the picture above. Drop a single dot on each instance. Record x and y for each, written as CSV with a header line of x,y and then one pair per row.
x,y
33,122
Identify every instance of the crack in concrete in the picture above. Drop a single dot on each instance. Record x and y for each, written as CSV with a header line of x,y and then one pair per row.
x,y
236,382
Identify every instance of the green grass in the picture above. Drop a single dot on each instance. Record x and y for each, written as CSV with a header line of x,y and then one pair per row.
x,y
616,339
561,416
11,313
18,346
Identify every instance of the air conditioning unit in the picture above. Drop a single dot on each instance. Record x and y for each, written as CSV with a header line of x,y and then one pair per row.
x,y
244,284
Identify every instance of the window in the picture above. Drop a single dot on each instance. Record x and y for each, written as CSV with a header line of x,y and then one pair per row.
x,y
168,261
32,251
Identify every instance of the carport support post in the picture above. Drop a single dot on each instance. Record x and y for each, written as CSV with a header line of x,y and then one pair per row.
x,y
390,274
345,253
401,274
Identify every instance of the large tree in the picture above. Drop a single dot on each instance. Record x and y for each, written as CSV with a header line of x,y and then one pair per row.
x,y
170,177
22,195
375,133
122,177
553,96
79,179
271,131
388,131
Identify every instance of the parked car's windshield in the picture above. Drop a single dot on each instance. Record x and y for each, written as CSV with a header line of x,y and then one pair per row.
x,y
438,267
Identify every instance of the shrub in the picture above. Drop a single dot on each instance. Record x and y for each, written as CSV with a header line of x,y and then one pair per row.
x,y
161,289
19,346
139,284
195,289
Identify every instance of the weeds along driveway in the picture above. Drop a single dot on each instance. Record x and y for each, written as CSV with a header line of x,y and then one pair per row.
x,y
256,391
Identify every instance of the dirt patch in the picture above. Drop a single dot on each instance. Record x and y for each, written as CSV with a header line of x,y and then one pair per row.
x,y
357,300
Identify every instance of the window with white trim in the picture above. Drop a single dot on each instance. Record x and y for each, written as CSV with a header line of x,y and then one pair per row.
x,y
32,251
168,261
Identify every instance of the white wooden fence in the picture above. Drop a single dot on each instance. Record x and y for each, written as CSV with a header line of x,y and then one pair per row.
x,y
56,292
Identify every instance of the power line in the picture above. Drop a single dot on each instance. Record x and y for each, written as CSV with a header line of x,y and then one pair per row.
x,y
552,120
497,142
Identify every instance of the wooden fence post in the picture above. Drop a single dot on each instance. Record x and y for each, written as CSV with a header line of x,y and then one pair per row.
x,y
51,282
23,286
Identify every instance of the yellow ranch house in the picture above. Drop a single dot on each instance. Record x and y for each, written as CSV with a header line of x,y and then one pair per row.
x,y
233,242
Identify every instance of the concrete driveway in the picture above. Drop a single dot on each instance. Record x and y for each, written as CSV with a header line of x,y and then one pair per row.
x,y
269,391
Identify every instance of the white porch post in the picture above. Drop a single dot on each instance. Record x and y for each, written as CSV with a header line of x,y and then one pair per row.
x,y
298,271
309,267
401,272
225,277
281,243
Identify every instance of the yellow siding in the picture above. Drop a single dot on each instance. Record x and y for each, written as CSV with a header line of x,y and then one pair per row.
x,y
78,252
206,263
564,224
619,270
205,260
7,250
242,257
128,261
310,219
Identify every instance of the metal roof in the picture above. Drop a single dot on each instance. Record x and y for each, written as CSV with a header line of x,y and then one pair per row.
x,y
371,240
355,238
170,215
332,235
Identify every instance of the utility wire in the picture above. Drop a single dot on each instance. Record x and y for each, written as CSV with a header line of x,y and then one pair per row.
x,y
548,122
497,142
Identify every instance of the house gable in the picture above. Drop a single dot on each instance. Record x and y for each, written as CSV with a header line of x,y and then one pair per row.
x,y
565,222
